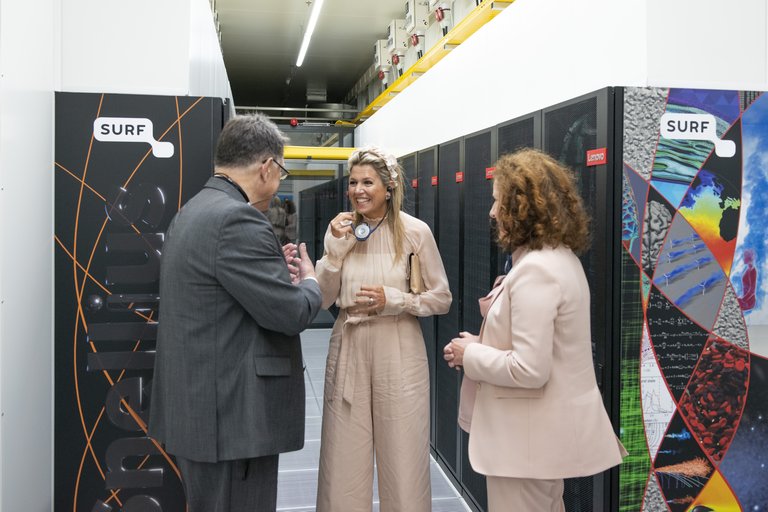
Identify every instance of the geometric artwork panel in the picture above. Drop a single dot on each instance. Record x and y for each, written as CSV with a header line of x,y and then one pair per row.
x,y
636,466
658,404
654,500
630,226
716,496
750,264
715,396
745,464
676,340
681,467
729,325
712,203
678,160
642,109
637,190
688,273
656,222
703,260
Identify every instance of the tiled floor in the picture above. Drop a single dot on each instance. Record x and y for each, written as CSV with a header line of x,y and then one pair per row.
x,y
297,479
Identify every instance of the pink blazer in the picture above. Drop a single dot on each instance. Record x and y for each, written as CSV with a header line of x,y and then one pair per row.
x,y
537,411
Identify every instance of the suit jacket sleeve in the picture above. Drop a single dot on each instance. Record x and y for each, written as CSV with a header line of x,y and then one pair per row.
x,y
250,265
534,295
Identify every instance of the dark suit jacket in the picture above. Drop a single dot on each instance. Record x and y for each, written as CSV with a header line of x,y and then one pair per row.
x,y
228,381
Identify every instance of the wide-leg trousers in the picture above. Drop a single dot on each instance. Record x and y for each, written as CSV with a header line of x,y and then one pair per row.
x,y
245,485
376,401
524,495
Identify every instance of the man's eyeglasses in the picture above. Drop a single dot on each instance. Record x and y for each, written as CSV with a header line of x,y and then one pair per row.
x,y
283,171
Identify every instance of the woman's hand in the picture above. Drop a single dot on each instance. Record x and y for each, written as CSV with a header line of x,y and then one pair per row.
x,y
370,299
289,253
453,352
342,224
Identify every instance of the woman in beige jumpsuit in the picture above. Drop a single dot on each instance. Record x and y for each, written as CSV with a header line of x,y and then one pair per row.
x,y
376,396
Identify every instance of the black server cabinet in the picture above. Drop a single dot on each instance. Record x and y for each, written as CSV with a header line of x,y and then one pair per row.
x,y
570,129
408,163
426,202
523,132
449,229
307,222
327,206
478,267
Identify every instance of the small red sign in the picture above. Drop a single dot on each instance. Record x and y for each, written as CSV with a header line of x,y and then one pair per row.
x,y
459,177
434,181
489,172
597,156
415,183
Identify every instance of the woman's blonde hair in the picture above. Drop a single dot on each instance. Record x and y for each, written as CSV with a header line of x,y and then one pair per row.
x,y
539,203
391,175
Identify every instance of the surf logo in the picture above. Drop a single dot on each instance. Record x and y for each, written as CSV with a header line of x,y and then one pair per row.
x,y
130,129
696,127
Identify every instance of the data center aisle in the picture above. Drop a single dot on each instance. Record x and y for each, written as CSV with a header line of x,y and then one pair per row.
x,y
297,479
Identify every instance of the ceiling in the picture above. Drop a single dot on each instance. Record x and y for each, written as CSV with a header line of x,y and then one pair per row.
x,y
260,41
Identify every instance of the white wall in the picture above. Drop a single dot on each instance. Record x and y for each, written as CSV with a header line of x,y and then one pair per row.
x,y
721,45
207,74
166,47
27,80
139,46
540,52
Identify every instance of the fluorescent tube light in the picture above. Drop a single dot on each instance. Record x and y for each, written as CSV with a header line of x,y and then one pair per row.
x,y
308,33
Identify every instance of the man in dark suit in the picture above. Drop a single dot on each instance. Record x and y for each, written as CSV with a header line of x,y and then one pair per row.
x,y
228,390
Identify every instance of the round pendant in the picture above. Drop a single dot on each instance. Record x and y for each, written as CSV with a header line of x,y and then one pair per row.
x,y
362,231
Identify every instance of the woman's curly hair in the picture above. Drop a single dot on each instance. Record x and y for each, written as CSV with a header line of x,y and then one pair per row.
x,y
538,203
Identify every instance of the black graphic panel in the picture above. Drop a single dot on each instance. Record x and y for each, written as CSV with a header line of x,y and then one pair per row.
x,y
682,469
113,204
677,341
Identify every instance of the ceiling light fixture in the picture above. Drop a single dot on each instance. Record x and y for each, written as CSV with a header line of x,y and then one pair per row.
x,y
308,33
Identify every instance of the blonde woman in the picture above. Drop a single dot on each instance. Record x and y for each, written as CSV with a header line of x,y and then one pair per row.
x,y
376,399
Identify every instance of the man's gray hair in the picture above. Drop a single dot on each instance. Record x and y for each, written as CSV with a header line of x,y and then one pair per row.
x,y
246,139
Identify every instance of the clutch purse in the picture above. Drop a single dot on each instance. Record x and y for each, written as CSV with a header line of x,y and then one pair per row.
x,y
413,275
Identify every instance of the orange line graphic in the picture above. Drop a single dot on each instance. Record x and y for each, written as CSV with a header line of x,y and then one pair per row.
x,y
81,181
88,275
181,151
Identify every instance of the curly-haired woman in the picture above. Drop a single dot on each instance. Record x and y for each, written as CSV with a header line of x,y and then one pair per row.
x,y
530,400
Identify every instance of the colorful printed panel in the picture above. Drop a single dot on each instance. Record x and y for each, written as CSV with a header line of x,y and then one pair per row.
x,y
695,227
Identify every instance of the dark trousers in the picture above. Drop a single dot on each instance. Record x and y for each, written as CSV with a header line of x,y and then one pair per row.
x,y
245,485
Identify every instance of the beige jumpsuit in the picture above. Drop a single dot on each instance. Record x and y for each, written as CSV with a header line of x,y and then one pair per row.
x,y
376,395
